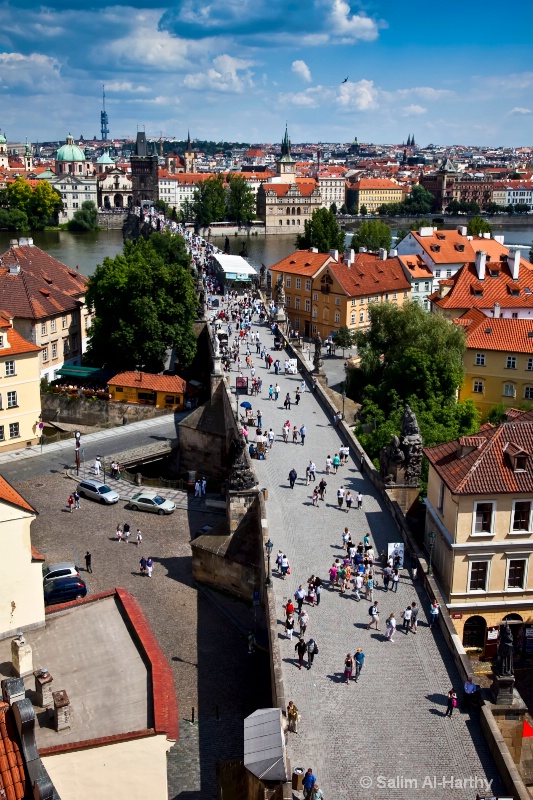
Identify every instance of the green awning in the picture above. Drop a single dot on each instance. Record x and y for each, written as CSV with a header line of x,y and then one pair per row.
x,y
85,373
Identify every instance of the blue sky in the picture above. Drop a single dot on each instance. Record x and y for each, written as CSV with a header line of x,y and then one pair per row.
x,y
451,73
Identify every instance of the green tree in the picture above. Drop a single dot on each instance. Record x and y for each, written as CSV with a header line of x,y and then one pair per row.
x,y
321,231
144,304
420,201
333,208
44,204
344,338
454,207
13,220
210,201
494,208
19,195
344,209
363,211
240,204
85,218
478,225
372,235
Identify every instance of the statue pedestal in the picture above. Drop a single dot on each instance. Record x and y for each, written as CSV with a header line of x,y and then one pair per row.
x,y
502,689
280,314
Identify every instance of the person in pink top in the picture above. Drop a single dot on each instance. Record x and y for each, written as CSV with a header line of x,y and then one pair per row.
x,y
333,575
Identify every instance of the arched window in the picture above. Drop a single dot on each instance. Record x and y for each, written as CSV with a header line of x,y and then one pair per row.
x,y
352,319
298,222
294,222
281,222
298,210
293,210
474,632
288,211
288,222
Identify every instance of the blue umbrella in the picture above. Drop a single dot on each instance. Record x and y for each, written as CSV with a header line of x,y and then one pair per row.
x,y
246,404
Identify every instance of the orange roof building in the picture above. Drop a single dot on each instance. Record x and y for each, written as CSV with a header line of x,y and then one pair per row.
x,y
372,193
144,388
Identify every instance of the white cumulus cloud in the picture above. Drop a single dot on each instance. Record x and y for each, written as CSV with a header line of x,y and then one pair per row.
x,y
351,27
414,110
228,74
125,86
361,95
520,110
300,68
36,72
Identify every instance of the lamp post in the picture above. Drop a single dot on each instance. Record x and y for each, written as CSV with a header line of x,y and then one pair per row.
x,y
343,399
268,548
77,436
431,537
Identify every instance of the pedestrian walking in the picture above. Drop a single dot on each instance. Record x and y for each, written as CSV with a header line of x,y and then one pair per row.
x,y
285,567
308,782
374,616
340,496
70,503
303,433
299,596
407,614
203,484
295,435
391,628
348,667
414,617
312,651
287,402
317,793
139,537
293,717
149,567
88,562
118,533
289,627
142,565
370,584
97,466
126,532
359,659
359,500
336,463
349,500
197,488
318,591
76,498
279,556
395,580
270,392
329,464
301,649
292,477
297,397
289,607
302,386
271,436
434,613
358,586
387,573
315,496
303,621
451,702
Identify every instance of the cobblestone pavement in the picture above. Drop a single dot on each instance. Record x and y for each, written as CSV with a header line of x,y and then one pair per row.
x,y
390,723
208,655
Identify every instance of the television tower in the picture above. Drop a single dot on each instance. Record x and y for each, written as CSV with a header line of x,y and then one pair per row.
x,y
104,122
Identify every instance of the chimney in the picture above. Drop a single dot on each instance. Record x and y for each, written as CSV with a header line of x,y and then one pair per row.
x,y
513,260
443,290
62,711
393,253
426,231
382,255
349,257
334,254
13,242
481,260
496,311
12,690
486,235
313,249
14,269
362,250
462,229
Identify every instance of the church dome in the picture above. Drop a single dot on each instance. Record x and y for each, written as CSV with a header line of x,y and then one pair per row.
x,y
70,151
3,139
105,158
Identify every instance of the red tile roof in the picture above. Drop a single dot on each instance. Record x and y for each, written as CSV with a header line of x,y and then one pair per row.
x,y
12,773
305,187
487,333
415,267
465,283
302,262
487,469
145,380
374,183
451,247
11,496
43,265
369,275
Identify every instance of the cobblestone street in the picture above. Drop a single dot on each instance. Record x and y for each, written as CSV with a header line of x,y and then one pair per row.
x,y
391,722
208,654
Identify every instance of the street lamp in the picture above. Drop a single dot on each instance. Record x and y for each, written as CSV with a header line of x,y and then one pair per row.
x,y
268,548
343,399
431,537
77,436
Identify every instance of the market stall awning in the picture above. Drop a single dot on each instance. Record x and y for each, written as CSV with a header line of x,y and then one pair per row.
x,y
235,268
85,373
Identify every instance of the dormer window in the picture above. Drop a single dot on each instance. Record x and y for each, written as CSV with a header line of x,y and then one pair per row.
x,y
435,248
517,457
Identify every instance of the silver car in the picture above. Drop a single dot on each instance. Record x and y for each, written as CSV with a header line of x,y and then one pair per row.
x,y
97,490
65,569
151,501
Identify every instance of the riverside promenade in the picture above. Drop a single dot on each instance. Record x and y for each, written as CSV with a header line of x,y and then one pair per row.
x,y
386,735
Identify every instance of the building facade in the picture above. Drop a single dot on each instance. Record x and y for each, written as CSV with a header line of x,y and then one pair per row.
x,y
74,191
161,391
20,399
371,193
114,189
144,173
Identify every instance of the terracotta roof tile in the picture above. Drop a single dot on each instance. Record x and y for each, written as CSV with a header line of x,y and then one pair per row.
x,y
487,468
145,380
9,495
302,262
492,290
487,333
12,774
370,275
415,266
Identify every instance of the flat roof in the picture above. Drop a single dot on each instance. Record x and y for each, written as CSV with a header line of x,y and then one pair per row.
x,y
234,265
89,651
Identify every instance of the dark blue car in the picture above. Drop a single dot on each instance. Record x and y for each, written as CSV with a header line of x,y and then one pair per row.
x,y
62,590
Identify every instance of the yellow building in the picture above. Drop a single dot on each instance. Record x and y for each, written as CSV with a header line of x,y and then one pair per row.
x,y
20,398
498,361
480,510
324,293
373,193
21,575
161,391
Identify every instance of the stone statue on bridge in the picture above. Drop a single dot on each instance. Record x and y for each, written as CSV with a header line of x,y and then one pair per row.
x,y
401,460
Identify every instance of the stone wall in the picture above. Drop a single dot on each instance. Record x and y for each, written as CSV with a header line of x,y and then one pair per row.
x,y
83,411
111,221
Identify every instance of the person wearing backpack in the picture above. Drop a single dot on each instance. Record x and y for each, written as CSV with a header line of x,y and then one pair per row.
x,y
301,649
374,615
312,651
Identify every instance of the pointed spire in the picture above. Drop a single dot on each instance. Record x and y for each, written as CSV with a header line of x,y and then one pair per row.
x,y
188,142
286,143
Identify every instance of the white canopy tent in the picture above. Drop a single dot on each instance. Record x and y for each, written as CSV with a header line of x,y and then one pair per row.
x,y
234,268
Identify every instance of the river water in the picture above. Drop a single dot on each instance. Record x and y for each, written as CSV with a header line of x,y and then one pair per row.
x,y
87,250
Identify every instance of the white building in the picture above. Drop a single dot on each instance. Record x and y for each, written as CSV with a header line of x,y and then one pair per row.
x,y
332,189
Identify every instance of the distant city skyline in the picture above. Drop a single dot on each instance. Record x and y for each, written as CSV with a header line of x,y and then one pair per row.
x,y
237,70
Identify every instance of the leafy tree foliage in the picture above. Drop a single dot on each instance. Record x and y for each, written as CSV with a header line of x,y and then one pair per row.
x,y
372,235
363,211
478,225
420,201
210,201
344,209
321,231
333,208
14,220
84,218
456,207
344,338
39,205
144,304
240,201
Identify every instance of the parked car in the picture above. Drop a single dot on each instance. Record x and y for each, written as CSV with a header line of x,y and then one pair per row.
x,y
97,490
64,569
151,501
63,590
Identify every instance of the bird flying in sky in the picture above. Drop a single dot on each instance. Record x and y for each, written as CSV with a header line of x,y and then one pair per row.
x,y
345,80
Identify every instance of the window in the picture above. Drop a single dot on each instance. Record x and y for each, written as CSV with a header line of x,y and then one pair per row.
x,y
308,305
516,573
45,353
315,299
394,295
297,303
54,351
43,329
448,273
480,359
14,430
483,517
314,326
386,295
298,283
53,325
426,286
66,346
441,497
528,393
1,340
510,362
478,387
521,516
337,317
508,390
406,293
361,316
352,319
288,283
119,389
315,312
530,364
361,301
10,368
64,322
308,286
11,399
437,273
417,287
288,300
478,578
2,436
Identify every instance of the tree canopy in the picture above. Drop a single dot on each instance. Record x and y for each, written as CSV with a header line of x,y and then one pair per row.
x,y
39,205
420,201
321,231
144,304
478,225
344,338
209,201
85,218
372,235
240,201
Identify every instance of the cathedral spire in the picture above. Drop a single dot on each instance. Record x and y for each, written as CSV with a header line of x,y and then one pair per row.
x,y
286,144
